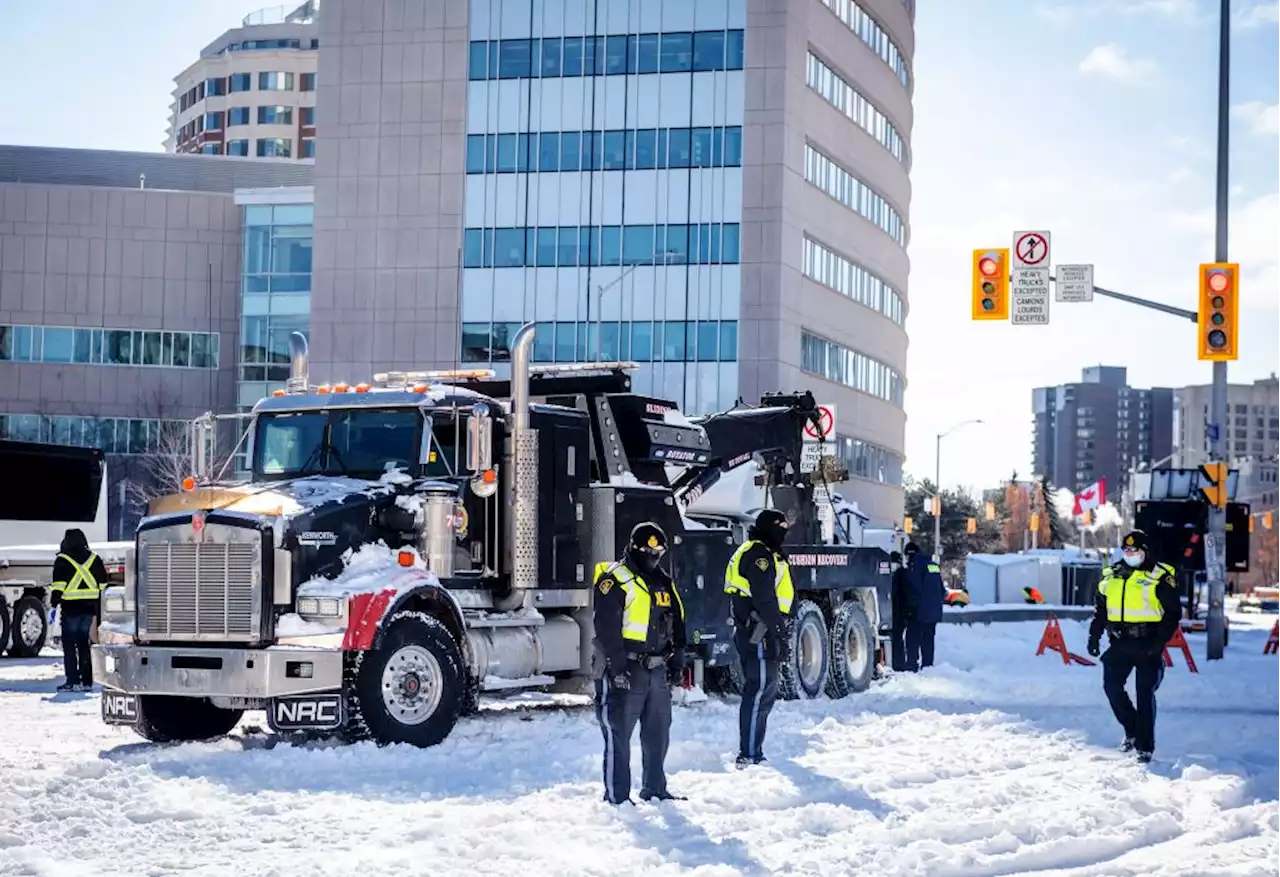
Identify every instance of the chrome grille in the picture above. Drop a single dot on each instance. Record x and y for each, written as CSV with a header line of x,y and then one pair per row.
x,y
208,590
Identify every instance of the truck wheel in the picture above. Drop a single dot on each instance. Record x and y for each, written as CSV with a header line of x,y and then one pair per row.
x,y
853,651
166,719
4,624
30,627
804,674
410,687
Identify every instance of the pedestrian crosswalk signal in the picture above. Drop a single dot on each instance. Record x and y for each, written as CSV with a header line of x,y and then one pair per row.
x,y
991,511
1216,318
907,525
1213,484
991,284
971,526
1266,520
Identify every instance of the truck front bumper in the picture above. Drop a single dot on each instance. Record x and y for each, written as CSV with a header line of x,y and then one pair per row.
x,y
271,672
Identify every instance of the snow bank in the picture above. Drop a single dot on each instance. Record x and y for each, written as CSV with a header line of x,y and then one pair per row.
x,y
372,569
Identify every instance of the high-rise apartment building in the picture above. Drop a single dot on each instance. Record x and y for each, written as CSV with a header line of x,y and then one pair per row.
x,y
1251,435
252,91
717,189
1098,428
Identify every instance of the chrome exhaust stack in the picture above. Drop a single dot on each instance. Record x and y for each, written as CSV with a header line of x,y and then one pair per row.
x,y
520,548
298,350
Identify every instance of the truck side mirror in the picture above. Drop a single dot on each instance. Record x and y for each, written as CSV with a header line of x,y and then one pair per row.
x,y
484,482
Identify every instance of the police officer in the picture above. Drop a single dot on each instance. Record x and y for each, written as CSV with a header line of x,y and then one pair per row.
x,y
925,593
898,606
640,640
1138,604
758,579
78,579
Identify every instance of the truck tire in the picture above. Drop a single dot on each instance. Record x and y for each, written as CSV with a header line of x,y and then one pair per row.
x,y
166,719
853,651
803,676
4,624
30,628
410,688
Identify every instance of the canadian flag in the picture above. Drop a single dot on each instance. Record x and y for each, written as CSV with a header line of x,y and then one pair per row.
x,y
1090,498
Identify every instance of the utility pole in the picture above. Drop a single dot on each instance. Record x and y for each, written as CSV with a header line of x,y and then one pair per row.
x,y
1216,538
937,489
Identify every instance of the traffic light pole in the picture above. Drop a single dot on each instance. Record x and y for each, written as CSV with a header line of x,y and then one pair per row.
x,y
1216,539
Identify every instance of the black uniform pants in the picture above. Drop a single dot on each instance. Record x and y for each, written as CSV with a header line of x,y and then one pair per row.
x,y
647,702
75,647
898,644
920,635
759,691
1118,661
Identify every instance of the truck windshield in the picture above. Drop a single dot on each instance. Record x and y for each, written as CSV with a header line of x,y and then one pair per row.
x,y
363,443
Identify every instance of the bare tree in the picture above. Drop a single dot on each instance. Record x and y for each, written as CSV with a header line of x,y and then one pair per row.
x,y
169,457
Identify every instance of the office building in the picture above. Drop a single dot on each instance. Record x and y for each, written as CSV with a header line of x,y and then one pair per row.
x,y
1251,434
120,297
717,189
1099,428
252,90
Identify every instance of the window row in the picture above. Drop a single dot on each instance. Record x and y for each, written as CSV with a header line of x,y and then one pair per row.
x,y
251,45
108,346
267,115
570,246
266,147
553,57
848,100
112,435
238,82
672,341
645,149
264,346
852,280
853,193
865,460
855,370
861,23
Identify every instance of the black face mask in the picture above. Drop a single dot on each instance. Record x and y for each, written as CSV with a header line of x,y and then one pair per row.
x,y
773,535
643,560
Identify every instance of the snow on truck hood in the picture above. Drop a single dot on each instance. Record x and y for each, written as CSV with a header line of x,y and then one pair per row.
x,y
281,499
372,569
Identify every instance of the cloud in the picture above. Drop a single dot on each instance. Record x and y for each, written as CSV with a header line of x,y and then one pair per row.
x,y
1113,61
1251,233
1062,14
1247,16
1262,118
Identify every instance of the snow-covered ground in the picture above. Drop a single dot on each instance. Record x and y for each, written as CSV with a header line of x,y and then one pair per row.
x,y
994,762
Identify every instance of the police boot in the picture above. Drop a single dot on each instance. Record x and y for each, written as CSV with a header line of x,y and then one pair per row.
x,y
1127,745
1144,757
661,796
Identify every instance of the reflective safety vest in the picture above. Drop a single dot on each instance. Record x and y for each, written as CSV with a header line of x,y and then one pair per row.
x,y
639,602
1131,594
736,583
83,586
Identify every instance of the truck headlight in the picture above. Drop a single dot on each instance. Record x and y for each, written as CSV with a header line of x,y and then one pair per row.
x,y
320,607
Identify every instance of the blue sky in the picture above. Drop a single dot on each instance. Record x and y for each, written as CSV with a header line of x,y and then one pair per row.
x,y
1094,119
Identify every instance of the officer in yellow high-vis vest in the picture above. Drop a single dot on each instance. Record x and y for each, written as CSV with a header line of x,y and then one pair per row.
x,y
639,652
758,580
78,579
1138,605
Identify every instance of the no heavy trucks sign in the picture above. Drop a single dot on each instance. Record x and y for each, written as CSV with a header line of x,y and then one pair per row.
x,y
827,432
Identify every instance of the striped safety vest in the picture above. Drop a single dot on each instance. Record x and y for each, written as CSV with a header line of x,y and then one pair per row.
x,y
1131,594
639,603
736,583
83,586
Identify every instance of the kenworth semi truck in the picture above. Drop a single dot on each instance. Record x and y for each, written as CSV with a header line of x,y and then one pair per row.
x,y
404,545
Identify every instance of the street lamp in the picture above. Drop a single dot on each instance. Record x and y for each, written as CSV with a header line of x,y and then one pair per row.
x,y
600,291
937,487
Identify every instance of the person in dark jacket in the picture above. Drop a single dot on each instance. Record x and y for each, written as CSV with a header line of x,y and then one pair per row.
x,y
758,580
898,605
640,651
1139,607
925,593
78,579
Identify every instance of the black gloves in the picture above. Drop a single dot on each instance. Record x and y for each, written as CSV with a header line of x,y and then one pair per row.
x,y
782,648
675,667
1095,646
621,681
908,613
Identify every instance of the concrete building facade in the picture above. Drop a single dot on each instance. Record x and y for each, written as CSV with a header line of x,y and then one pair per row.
x,y
717,190
1251,434
120,296
252,90
1098,428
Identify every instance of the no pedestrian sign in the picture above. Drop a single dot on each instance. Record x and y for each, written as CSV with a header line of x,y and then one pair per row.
x,y
1073,283
1031,249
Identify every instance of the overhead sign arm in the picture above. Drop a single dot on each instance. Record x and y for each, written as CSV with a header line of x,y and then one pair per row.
x,y
1146,303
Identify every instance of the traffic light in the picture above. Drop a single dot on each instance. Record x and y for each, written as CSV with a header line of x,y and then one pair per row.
x,y
1086,517
935,505
991,511
1034,524
1217,317
1213,484
971,526
907,525
991,284
1266,520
